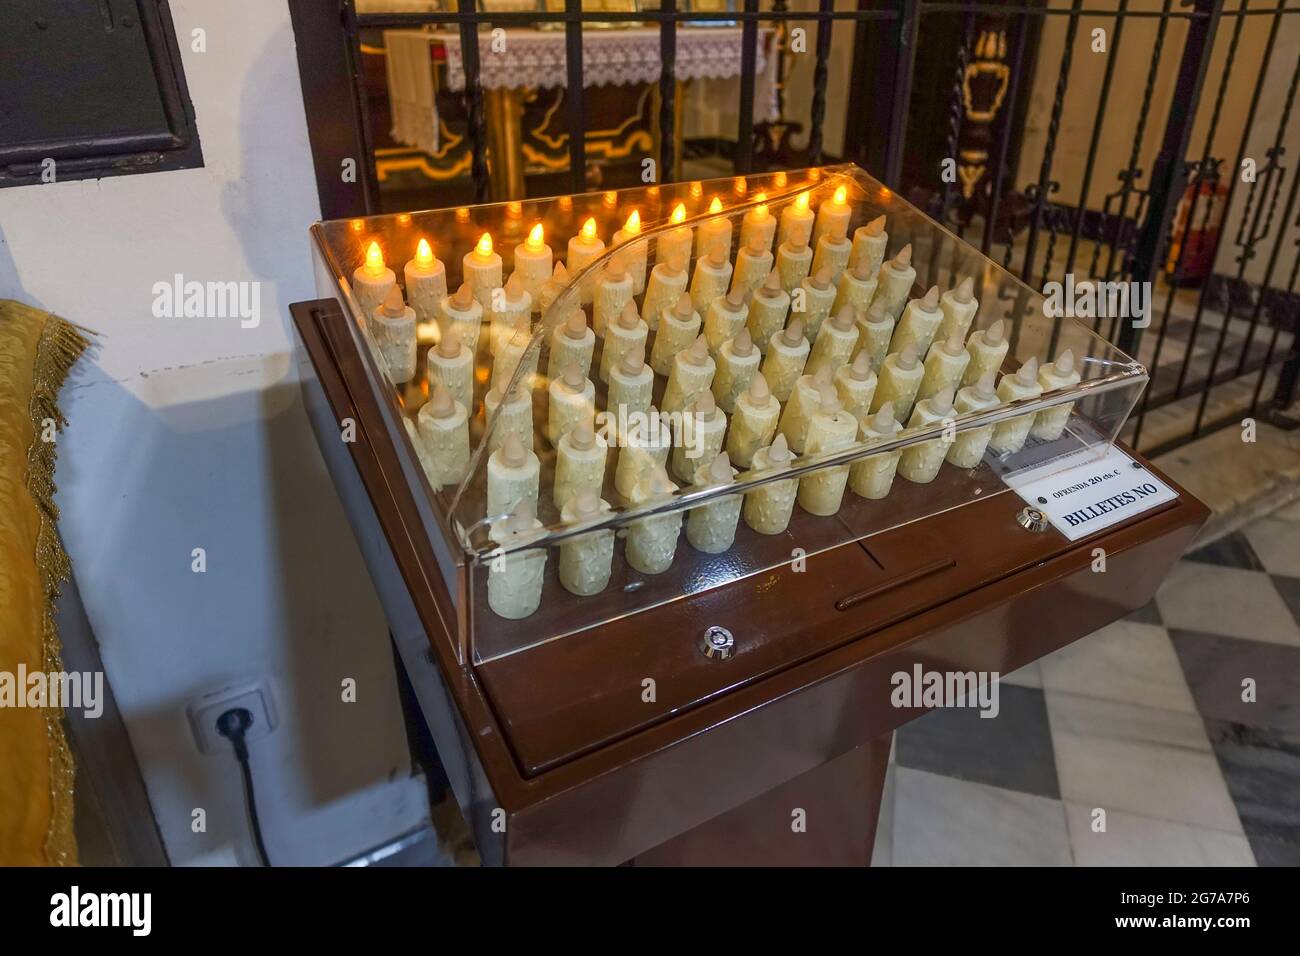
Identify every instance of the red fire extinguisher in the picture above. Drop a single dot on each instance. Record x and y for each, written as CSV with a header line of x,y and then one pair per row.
x,y
1201,237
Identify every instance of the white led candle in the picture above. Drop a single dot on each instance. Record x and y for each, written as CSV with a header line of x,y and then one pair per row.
x,y
944,366
753,263
712,276
393,327
678,329
959,306
1063,373
511,354
768,507
509,314
875,329
900,377
787,354
572,403
833,218
613,293
514,416
513,475
869,244
667,283
894,284
533,264
452,364
631,385
830,429
551,291
711,527
796,223
816,294
372,281
872,477
579,463
856,289
754,421
634,250
571,343
920,463
700,438
692,372
793,264
645,448
988,348
836,343
737,364
832,255
855,383
516,575
463,317
918,323
426,283
714,233
625,333
652,542
804,399
968,450
676,243
584,249
758,227
768,308
443,427
586,560
1009,436
481,269
725,318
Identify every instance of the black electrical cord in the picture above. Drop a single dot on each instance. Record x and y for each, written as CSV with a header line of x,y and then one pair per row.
x,y
233,725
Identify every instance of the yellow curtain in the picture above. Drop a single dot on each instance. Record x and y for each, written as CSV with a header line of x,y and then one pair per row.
x,y
36,351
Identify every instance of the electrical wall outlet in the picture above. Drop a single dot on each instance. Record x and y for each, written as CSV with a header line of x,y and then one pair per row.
x,y
203,712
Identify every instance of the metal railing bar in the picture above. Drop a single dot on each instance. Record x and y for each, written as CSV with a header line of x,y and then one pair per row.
x,y
821,73
1277,320
477,124
575,100
1004,141
743,161
400,21
668,95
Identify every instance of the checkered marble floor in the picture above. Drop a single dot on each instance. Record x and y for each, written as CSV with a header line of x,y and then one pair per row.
x,y
1144,720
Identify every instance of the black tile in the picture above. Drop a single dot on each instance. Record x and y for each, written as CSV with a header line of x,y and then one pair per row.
x,y
1289,588
1230,551
1262,771
1216,666
1012,750
1147,614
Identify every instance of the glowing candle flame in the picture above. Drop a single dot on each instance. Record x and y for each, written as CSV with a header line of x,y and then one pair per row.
x,y
841,196
633,224
715,206
801,202
535,237
679,213
424,254
760,211
589,229
374,259
484,247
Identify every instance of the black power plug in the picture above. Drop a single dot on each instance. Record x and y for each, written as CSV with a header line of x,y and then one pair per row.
x,y
234,725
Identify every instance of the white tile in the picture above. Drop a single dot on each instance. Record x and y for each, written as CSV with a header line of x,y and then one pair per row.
x,y
1027,676
1134,840
882,851
1277,543
942,821
1118,720
1124,661
1228,601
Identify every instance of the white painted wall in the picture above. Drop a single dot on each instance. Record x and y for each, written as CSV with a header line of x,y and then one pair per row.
x,y
189,433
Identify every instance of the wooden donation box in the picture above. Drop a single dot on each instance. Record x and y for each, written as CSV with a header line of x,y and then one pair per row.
x,y
661,531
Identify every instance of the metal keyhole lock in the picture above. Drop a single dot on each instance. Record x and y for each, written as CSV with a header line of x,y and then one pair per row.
x,y
717,643
1031,519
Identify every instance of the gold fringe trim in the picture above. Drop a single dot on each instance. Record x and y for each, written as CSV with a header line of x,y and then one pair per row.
x,y
61,344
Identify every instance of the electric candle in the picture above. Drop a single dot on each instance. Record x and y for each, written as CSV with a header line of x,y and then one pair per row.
x,y
692,372
571,343
753,424
767,310
443,426
920,463
753,263
711,527
895,282
856,384
678,329
875,329
513,416
712,276
622,335
635,251
959,306
421,454
714,233
551,290
1009,436
787,354
513,475
586,560
572,403
675,243
872,477
481,269
371,281
968,450
652,542
725,318
1059,374
631,385
793,262
804,399
452,365
796,223
900,377
584,249
515,577
988,348
835,342
579,463
944,366
509,314
869,244
613,293
830,429
758,227
533,264
645,449
667,283
918,323
833,218
511,355
856,289
703,428
817,298
768,507
464,317
426,283
832,254
737,364
393,327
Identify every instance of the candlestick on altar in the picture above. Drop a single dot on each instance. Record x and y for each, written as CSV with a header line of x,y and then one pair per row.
x,y
895,282
872,476
920,463
711,527
753,264
579,463
586,560
666,285
968,450
855,383
753,422
1009,436
900,377
443,426
833,218
533,264
758,226
836,342
1063,373
869,244
452,365
692,372
988,348
513,476
481,269
959,306
768,507
725,318
714,232
635,250
515,576
787,354
712,276
944,366
737,364
393,326
768,308
372,281
796,225
426,284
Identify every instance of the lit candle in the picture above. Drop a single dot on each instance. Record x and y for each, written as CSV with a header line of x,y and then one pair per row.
x,y
513,416
703,428
796,223
571,343
918,323
895,282
678,328
1063,373
769,506
625,333
572,403
787,354
652,542
584,249
1009,436
667,283
869,244
804,399
793,263
900,377
646,445
944,366
872,477
675,243
515,573
833,217
753,263
711,527
830,429
481,269
753,423
631,385
875,329
855,383
635,251
816,295
988,348
968,450
393,327
533,264
856,289
959,306
579,463
371,281
832,254
513,475
920,463
452,365
835,343
692,372
426,283
509,314
724,319
712,276
767,310
463,317
586,560
758,227
737,364
714,233
443,426
613,293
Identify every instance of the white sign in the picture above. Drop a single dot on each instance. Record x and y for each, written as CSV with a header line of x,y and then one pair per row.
x,y
1096,493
